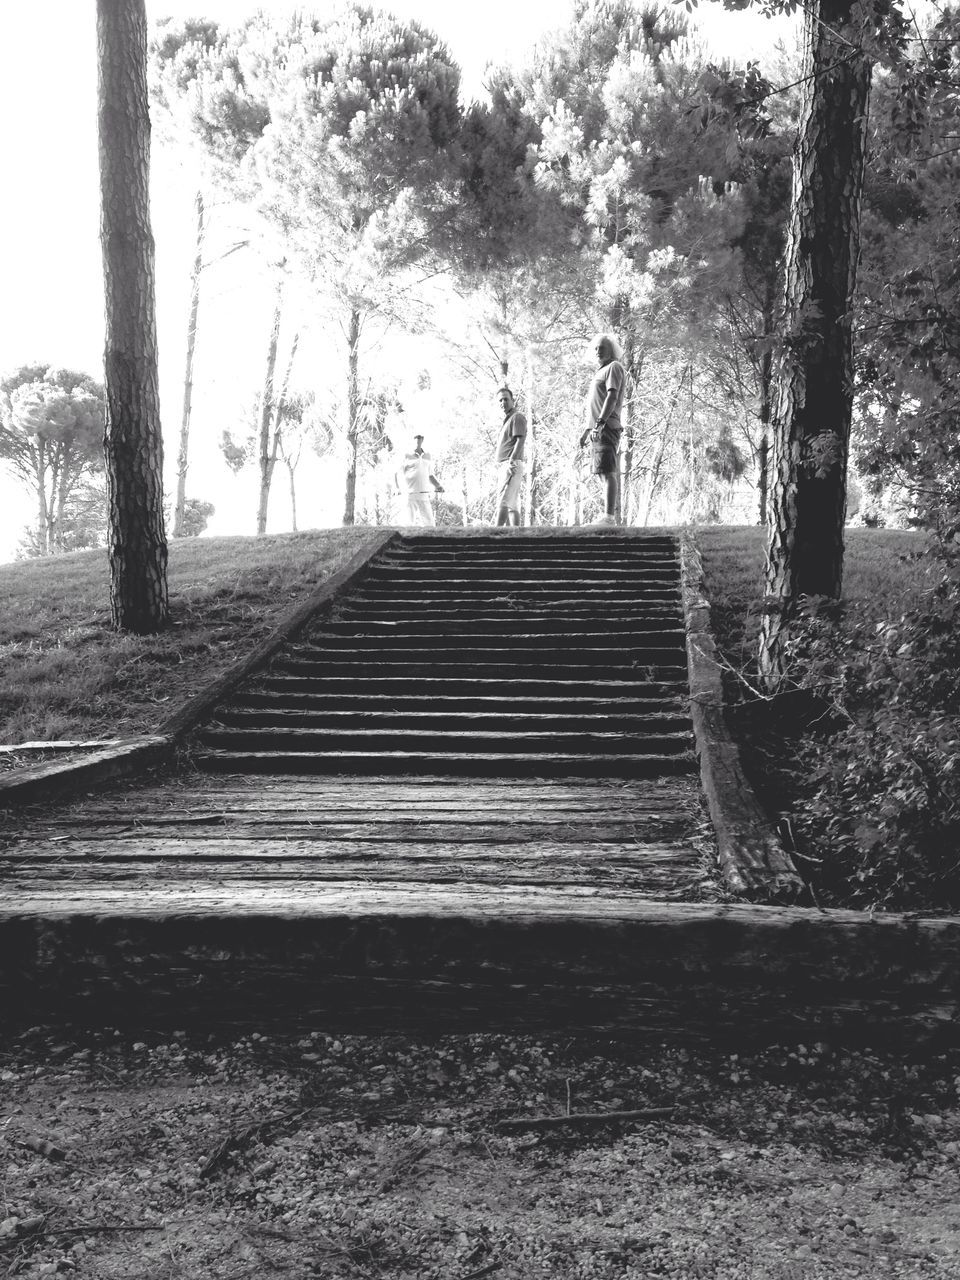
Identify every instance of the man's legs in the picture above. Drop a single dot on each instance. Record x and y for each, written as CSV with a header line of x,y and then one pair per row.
x,y
511,475
611,481
420,510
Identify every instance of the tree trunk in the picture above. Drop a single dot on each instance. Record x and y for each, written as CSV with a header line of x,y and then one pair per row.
x,y
291,470
267,454
353,416
178,511
811,421
132,439
43,515
766,398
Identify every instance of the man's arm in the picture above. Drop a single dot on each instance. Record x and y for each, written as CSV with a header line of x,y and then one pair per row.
x,y
436,484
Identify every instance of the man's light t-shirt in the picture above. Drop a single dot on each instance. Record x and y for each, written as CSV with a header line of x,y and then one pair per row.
x,y
610,377
416,470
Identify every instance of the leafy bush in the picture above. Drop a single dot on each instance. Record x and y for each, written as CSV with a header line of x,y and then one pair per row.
x,y
880,806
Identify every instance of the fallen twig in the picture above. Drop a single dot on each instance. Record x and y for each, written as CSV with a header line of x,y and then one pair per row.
x,y
583,1117
484,1271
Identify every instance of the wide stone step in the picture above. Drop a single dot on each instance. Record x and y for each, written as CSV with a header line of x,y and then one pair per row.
x,y
505,765
456,720
276,697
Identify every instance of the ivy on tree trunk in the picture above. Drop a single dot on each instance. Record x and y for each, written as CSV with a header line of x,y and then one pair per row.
x,y
132,438
811,418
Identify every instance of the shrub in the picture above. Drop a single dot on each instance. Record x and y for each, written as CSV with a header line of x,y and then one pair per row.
x,y
880,806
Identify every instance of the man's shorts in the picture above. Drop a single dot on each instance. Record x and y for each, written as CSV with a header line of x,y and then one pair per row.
x,y
509,479
605,451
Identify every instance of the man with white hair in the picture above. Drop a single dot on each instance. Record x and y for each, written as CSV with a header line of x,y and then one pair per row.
x,y
604,401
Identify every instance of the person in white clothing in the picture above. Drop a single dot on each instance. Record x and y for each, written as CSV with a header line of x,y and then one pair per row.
x,y
415,480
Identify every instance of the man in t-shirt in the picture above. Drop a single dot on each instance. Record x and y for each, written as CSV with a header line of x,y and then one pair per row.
x,y
513,432
415,480
604,401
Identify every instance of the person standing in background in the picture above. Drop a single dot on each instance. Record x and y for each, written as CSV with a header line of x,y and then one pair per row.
x,y
415,480
604,400
513,433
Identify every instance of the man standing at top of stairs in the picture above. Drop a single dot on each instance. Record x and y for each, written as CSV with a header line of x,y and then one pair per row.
x,y
603,422
513,433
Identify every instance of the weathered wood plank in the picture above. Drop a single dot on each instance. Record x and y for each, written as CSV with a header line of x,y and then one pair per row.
x,y
227,847
450,831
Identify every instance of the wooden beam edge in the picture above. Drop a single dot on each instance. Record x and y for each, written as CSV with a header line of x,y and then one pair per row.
x,y
752,858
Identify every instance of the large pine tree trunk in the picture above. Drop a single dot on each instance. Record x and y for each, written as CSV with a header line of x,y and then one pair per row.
x,y
811,420
267,454
133,442
179,509
353,417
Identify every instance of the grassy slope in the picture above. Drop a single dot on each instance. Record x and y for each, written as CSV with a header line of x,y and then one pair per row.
x,y
881,579
65,674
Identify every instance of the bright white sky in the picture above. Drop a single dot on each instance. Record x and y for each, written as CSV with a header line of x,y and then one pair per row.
x,y
50,285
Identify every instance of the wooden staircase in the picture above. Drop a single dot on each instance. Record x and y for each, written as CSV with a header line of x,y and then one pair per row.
x,y
507,654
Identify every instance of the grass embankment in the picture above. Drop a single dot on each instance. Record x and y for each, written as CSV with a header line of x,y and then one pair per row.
x,y
64,672
881,580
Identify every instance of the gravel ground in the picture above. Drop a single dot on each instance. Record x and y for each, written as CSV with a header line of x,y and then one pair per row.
x,y
366,1156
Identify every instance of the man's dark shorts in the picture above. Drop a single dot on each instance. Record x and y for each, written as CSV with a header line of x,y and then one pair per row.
x,y
605,451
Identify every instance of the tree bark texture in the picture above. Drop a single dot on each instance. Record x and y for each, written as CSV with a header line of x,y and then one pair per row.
x,y
353,417
132,440
267,456
181,504
811,419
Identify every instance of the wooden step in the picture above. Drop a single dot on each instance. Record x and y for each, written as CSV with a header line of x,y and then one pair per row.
x,y
432,741
236,715
448,764
444,704
518,634
522,651
365,669
546,626
473,685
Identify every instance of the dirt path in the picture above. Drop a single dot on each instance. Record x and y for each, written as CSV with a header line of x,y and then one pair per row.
x,y
365,1157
